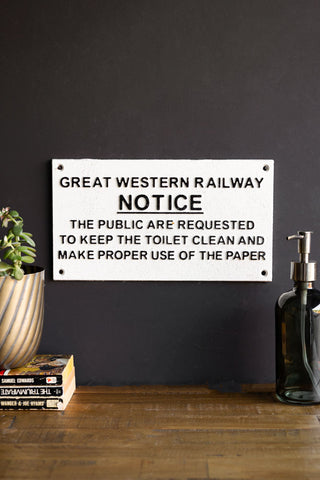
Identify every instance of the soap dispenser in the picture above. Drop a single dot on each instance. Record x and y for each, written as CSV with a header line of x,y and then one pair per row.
x,y
298,332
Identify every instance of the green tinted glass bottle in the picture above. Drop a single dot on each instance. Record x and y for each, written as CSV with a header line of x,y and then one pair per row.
x,y
298,332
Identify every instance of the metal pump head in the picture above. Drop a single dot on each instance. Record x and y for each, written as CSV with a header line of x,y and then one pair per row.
x,y
304,270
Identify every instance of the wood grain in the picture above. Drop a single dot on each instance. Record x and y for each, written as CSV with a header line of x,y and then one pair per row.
x,y
163,433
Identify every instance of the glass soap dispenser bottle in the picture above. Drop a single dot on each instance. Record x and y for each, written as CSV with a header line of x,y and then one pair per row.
x,y
298,332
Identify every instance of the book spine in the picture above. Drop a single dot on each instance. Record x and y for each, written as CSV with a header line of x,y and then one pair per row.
x,y
20,403
31,391
37,380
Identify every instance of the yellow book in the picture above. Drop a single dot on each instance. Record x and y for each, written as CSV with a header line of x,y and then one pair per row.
x,y
41,370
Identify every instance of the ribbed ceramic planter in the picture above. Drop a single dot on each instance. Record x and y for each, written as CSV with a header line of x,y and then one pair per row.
x,y
21,317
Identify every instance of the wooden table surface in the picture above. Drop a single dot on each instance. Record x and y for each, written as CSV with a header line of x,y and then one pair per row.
x,y
163,433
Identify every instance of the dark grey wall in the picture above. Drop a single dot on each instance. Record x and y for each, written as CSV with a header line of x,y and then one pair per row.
x,y
162,79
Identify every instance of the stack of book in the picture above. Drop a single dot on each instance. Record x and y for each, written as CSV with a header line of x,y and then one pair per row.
x,y
46,383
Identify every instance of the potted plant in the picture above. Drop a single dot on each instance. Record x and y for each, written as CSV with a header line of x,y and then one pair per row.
x,y
21,293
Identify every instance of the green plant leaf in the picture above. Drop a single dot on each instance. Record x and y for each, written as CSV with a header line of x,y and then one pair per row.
x,y
27,239
17,229
18,273
30,254
14,213
27,250
4,267
27,259
7,253
16,245
14,257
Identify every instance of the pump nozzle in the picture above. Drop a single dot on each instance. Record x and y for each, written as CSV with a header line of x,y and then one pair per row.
x,y
303,271
304,245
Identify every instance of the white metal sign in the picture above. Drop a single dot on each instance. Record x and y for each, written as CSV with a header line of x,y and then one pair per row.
x,y
162,219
